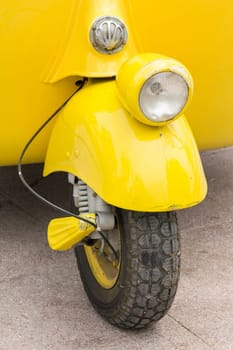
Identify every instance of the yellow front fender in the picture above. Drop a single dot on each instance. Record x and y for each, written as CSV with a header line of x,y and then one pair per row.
x,y
128,164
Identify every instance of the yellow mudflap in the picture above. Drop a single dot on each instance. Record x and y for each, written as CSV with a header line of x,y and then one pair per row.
x,y
64,233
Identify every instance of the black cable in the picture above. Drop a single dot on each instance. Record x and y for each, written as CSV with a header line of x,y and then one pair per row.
x,y
20,173
110,245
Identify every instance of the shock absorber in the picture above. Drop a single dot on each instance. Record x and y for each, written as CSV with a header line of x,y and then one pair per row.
x,y
80,195
87,201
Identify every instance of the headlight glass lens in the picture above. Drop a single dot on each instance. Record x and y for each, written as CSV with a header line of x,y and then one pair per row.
x,y
163,96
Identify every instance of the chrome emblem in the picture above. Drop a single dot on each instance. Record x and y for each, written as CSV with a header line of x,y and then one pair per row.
x,y
108,35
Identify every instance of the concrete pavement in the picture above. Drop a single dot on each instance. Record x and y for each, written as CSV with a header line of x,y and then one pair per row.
x,y
42,302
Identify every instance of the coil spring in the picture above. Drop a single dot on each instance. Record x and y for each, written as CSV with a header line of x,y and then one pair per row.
x,y
82,197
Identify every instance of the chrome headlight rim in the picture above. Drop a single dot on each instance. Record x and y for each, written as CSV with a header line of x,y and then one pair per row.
x,y
148,83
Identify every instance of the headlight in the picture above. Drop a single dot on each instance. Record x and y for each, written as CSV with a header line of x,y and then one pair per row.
x,y
154,89
163,96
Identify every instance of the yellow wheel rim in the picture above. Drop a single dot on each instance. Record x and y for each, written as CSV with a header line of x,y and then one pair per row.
x,y
105,270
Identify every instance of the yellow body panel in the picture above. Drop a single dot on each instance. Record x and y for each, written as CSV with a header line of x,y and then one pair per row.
x,y
76,55
128,164
44,41
29,33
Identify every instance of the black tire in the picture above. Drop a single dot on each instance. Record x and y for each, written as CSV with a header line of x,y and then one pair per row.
x,y
149,270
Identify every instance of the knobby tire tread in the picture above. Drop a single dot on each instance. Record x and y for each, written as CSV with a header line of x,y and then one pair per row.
x,y
152,263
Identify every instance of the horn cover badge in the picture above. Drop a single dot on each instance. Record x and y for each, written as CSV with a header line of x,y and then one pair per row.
x,y
108,35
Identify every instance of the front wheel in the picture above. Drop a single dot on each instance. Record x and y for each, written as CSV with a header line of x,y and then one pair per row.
x,y
134,283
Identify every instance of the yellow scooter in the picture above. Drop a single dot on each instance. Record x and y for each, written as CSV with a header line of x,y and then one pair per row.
x,y
121,136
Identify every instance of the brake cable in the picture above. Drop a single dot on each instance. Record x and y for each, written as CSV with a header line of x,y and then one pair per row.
x,y
109,244
28,144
